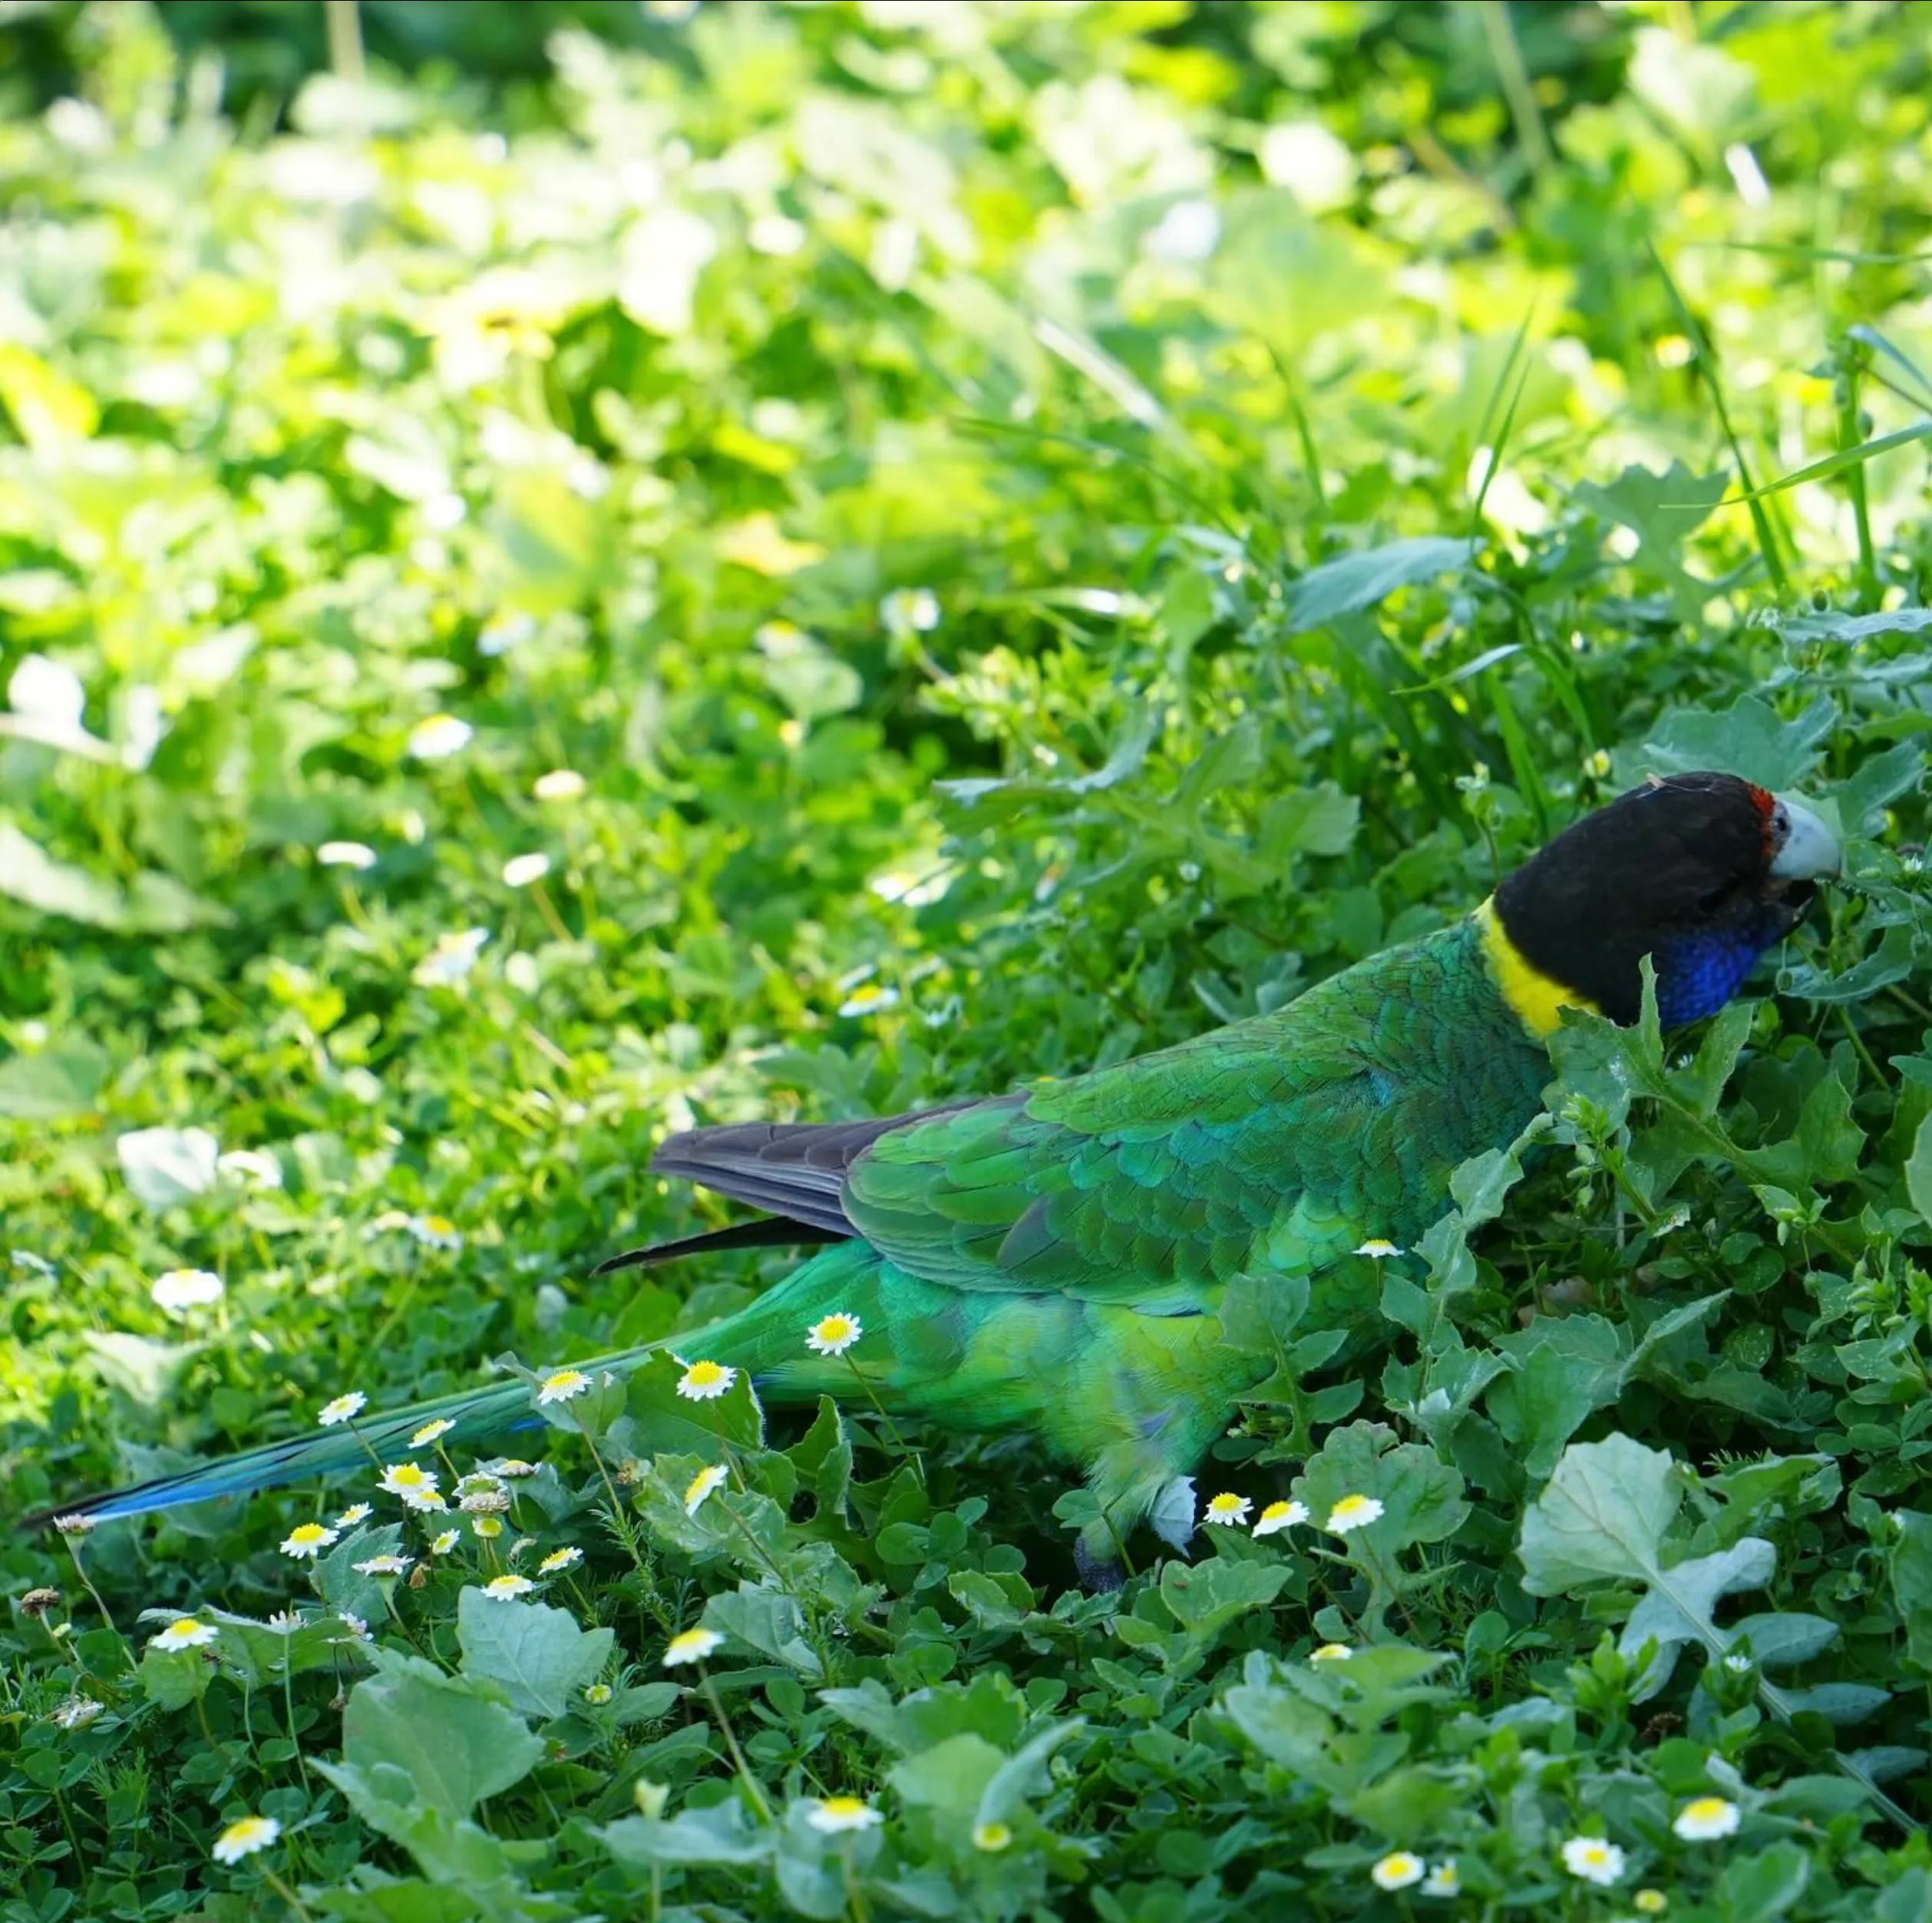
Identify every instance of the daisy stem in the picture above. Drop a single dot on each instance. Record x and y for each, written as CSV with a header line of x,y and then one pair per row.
x,y
288,1705
368,1449
596,1456
74,1555
892,1429
352,908
752,1787
286,1894
540,895
73,1837
854,1894
620,1521
387,1590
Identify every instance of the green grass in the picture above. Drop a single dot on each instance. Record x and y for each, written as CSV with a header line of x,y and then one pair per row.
x,y
1041,530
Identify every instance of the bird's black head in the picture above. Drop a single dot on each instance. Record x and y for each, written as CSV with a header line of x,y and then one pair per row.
x,y
1703,873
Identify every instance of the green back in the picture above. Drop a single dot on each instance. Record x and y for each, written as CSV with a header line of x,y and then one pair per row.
x,y
1270,1145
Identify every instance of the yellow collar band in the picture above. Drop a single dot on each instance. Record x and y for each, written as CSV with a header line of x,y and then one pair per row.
x,y
1537,1000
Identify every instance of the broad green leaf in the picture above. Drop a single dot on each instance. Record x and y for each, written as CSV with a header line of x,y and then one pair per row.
x,y
1911,1558
152,904
453,1744
769,1621
1204,1598
1355,582
1853,630
1918,1171
1748,738
952,1775
539,1654
720,1833
1602,1517
65,1079
1765,1883
1682,1601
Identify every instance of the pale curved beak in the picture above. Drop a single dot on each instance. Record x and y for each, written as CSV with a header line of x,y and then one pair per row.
x,y
1810,852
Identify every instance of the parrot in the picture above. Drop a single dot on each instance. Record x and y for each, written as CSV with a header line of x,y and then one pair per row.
x,y
1053,1261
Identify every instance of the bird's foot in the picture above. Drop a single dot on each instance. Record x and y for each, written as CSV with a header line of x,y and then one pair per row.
x,y
1100,1575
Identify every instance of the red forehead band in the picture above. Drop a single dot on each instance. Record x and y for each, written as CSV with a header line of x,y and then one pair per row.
x,y
1766,804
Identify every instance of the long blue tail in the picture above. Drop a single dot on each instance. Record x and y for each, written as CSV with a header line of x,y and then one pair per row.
x,y
767,1337
479,1416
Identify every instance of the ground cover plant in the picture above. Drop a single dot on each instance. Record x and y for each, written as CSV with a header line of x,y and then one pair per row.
x,y
811,560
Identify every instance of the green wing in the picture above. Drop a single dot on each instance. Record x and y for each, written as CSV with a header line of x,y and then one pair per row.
x,y
1272,1145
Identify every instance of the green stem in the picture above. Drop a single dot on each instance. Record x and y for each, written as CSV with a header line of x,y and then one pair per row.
x,y
752,1787
1517,89
1849,436
286,1894
345,46
289,1706
74,1555
892,1429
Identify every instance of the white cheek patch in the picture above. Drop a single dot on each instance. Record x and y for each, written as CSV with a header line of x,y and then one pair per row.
x,y
1808,851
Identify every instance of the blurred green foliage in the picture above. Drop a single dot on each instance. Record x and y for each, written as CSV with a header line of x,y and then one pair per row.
x,y
971,540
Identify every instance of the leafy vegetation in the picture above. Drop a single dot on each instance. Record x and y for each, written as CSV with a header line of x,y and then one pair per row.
x,y
833,556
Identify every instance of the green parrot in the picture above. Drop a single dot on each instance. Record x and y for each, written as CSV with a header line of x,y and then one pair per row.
x,y
1053,1261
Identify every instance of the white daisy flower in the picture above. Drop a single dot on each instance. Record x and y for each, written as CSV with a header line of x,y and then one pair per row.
x,y
704,1382
451,959
183,1633
691,1646
1592,1860
438,738
245,1837
1278,1516
834,1334
437,1232
834,1814
406,1479
1397,1870
180,1289
1705,1819
254,1166
1353,1512
308,1540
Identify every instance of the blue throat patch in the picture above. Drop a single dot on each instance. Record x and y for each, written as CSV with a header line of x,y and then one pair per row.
x,y
1697,974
